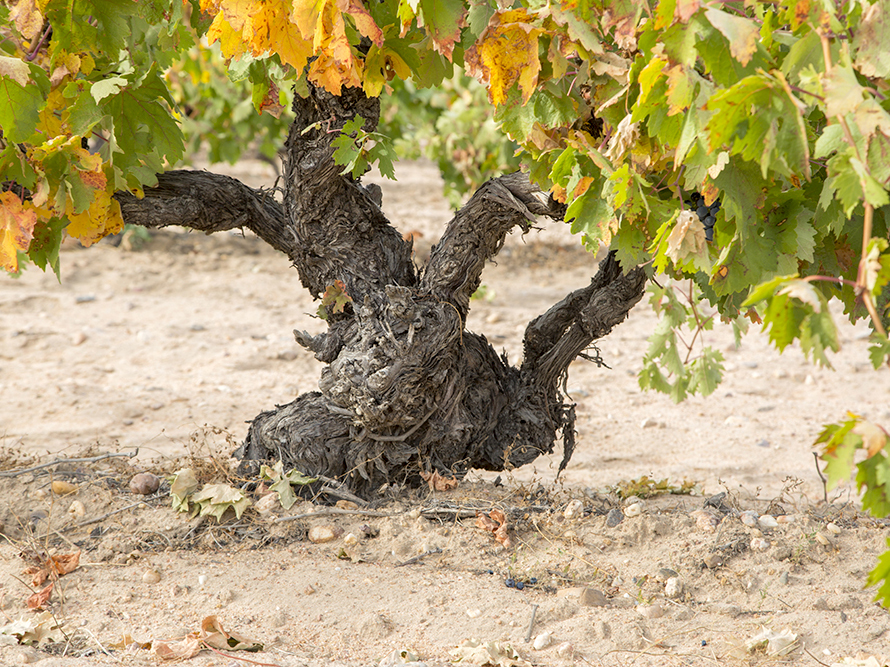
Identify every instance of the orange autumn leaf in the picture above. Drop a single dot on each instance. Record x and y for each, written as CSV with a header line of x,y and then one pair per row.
x,y
53,567
41,597
439,482
495,522
17,220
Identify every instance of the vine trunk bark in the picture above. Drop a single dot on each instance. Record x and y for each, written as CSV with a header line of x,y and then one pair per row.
x,y
406,390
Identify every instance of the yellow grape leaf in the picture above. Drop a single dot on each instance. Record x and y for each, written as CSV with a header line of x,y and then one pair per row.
x,y
270,30
50,116
679,94
874,438
507,53
381,64
687,238
229,39
17,222
103,217
68,63
27,18
16,69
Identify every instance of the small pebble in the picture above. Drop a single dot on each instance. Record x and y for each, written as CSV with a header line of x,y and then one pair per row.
x,y
350,540
565,650
346,505
202,579
706,521
62,488
713,560
648,422
85,298
651,610
833,528
785,519
144,483
574,509
767,521
759,544
543,640
673,588
748,518
79,338
151,577
763,443
322,534
77,510
614,517
633,510
474,613
783,578
821,539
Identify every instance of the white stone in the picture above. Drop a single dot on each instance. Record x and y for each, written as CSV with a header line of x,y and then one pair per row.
x,y
767,521
543,640
759,544
673,587
574,509
565,650
633,510
749,518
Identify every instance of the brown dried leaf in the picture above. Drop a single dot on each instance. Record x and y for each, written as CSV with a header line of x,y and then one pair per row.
x,y
495,523
213,634
187,647
438,482
128,643
40,598
53,567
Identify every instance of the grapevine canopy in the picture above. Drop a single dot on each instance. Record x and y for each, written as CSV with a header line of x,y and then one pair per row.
x,y
622,108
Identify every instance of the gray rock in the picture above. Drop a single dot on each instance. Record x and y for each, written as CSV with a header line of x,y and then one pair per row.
x,y
591,597
614,517
665,573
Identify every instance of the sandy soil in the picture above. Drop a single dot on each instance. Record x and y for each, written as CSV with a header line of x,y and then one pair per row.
x,y
171,347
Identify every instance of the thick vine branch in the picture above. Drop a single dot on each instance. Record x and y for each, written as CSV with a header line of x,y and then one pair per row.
x,y
477,233
555,338
209,203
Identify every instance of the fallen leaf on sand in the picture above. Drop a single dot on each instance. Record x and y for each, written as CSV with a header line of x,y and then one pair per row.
x,y
33,630
127,643
41,597
53,567
439,482
495,522
474,652
213,634
187,647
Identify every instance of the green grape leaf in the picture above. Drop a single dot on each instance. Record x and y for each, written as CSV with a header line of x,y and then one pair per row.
x,y
20,108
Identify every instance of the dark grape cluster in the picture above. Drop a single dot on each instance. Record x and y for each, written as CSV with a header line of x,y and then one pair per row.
x,y
707,214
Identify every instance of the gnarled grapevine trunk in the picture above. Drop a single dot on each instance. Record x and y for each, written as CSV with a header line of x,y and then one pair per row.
x,y
406,389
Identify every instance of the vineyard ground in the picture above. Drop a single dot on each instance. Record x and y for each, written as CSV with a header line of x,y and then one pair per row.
x,y
171,347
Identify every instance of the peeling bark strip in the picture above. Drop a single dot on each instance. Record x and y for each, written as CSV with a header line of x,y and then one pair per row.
x,y
406,389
